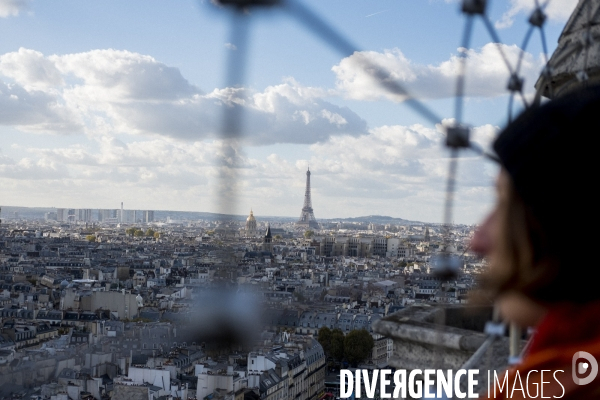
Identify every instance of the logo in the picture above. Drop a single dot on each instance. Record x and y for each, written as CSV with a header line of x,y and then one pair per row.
x,y
581,368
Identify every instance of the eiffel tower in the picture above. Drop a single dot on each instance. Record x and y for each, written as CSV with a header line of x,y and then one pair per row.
x,y
307,217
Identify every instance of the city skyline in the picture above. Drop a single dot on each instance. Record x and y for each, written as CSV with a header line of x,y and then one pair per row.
x,y
36,213
124,101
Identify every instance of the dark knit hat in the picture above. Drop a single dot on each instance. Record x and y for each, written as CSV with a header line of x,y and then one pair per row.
x,y
548,153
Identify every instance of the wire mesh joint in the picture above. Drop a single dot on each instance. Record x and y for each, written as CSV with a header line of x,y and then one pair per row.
x,y
514,360
537,18
457,136
473,7
248,3
582,76
446,266
515,84
494,328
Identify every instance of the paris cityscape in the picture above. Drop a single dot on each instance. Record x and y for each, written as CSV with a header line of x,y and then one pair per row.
x,y
328,228
96,300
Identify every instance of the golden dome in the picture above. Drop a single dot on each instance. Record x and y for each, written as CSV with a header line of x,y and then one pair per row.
x,y
251,217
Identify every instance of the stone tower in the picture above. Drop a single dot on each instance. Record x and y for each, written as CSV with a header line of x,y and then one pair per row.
x,y
267,244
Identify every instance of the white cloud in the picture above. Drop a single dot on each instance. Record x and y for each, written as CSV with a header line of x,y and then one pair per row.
x,y
399,169
121,91
279,114
557,10
333,118
486,73
27,169
176,159
119,75
31,69
12,7
35,111
159,163
230,46
144,173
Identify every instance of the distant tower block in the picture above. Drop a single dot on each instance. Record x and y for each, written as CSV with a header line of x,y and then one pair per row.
x,y
307,217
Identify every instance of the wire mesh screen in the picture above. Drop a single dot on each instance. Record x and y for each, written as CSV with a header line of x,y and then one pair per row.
x,y
446,265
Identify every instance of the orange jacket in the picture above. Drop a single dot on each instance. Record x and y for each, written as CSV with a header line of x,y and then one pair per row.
x,y
565,331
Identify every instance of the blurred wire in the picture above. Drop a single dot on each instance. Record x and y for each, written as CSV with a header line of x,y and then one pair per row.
x,y
460,79
382,77
224,317
231,130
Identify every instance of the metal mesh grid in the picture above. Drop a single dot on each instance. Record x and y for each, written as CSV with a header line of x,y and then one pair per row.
x,y
457,135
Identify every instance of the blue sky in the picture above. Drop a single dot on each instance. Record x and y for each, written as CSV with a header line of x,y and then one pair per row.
x,y
103,102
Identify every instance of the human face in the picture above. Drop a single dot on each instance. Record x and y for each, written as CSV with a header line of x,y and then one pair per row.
x,y
487,237
488,241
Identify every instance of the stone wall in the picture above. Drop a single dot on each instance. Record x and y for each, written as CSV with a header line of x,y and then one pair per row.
x,y
427,337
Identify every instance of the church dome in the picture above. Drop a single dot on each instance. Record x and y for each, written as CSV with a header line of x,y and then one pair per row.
x,y
251,223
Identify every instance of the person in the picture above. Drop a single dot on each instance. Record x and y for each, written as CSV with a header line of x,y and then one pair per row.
x,y
540,243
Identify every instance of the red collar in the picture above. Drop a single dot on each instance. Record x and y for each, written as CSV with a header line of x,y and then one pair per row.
x,y
567,324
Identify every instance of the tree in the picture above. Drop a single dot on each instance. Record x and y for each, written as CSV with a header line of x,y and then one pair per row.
x,y
138,233
277,237
309,234
324,339
90,238
337,344
332,342
150,232
156,235
358,345
130,231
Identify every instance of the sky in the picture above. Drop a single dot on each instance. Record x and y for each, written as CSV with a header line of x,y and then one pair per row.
x,y
112,101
